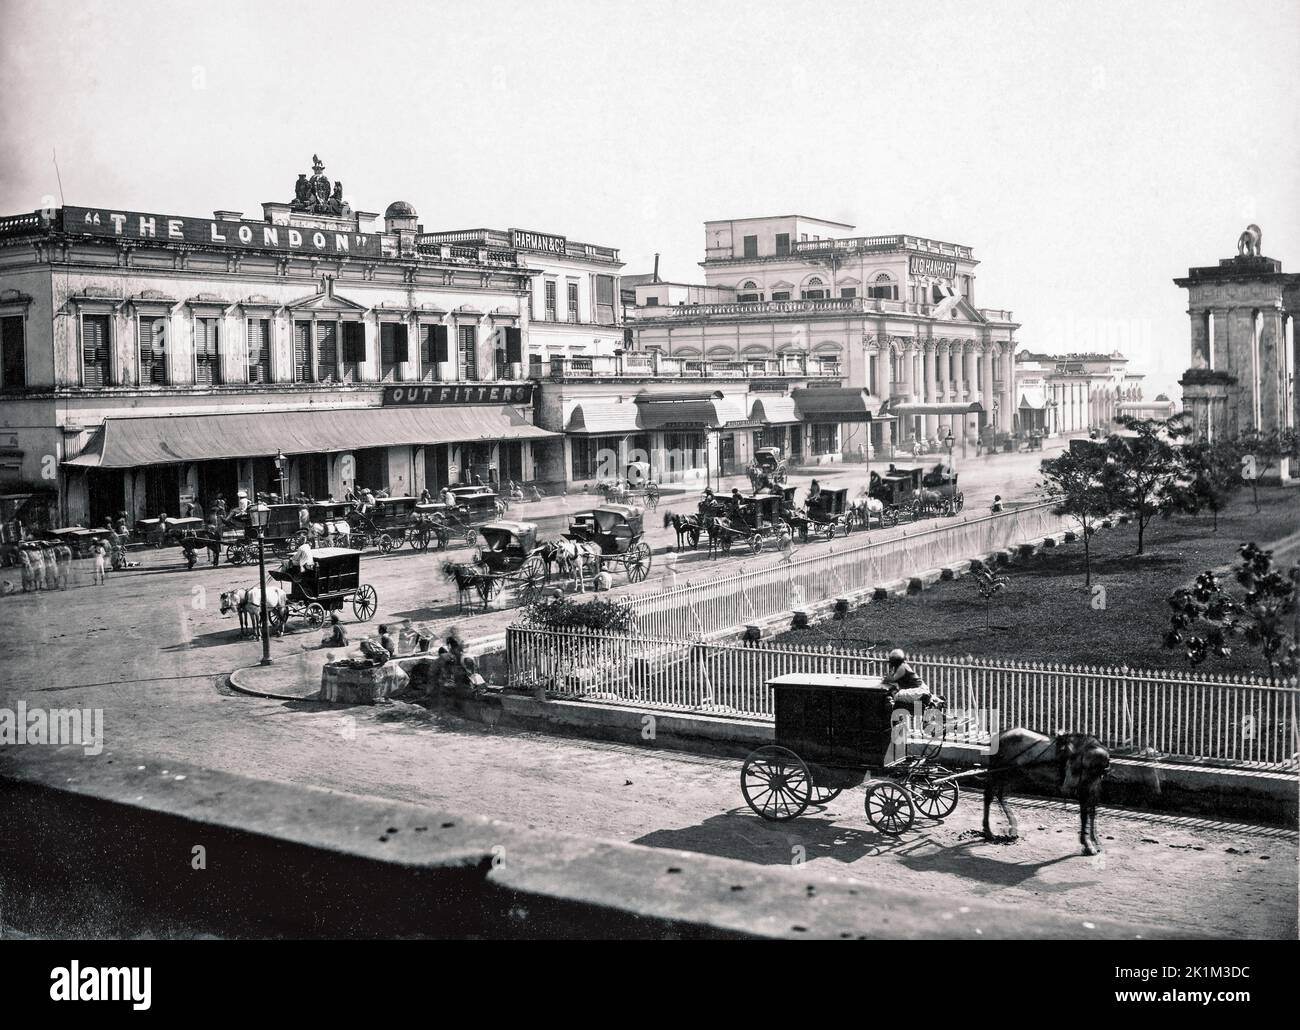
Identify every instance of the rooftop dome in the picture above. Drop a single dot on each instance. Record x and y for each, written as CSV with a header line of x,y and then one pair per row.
x,y
400,209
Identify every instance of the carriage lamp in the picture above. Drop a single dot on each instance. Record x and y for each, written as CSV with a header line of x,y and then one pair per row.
x,y
258,516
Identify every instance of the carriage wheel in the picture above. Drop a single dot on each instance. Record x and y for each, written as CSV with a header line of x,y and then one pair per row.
x,y
652,495
848,525
638,562
828,531
385,543
889,808
365,602
935,797
889,517
275,620
315,614
961,501
776,783
532,575
470,537
726,543
421,538
755,543
236,555
824,795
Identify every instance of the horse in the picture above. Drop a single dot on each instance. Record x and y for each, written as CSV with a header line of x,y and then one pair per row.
x,y
687,527
247,601
863,507
1071,764
720,532
576,557
469,580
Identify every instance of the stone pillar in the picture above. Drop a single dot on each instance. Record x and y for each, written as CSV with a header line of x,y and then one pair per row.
x,y
930,389
882,391
1272,366
986,386
1200,340
970,387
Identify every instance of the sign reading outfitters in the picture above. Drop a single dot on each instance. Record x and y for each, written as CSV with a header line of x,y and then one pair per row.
x,y
458,393
132,225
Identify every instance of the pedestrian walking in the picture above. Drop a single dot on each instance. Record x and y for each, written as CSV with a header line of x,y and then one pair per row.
x,y
100,554
64,554
214,540
28,568
38,567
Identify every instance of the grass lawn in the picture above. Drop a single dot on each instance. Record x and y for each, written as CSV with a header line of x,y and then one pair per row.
x,y
1046,614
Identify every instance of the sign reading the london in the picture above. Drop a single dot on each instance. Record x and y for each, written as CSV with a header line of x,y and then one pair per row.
x,y
458,393
153,228
520,239
920,265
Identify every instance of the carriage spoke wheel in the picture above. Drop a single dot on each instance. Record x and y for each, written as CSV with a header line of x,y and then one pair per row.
x,y
824,795
828,531
470,537
755,543
236,555
422,537
532,576
275,620
889,808
315,615
638,562
776,783
365,602
935,797
385,543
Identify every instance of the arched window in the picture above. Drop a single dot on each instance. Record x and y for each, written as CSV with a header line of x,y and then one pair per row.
x,y
814,289
883,287
748,292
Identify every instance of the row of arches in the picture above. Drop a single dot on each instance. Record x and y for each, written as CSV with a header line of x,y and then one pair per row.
x,y
815,286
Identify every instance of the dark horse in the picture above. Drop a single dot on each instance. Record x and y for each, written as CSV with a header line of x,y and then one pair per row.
x,y
469,580
687,527
1070,764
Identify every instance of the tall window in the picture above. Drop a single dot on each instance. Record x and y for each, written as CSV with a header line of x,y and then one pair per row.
x,y
814,290
848,292
825,438
302,352
354,351
392,349
13,355
433,350
573,302
780,294
207,351
534,365
751,246
883,287
550,301
748,292
589,453
259,350
327,352
782,243
151,335
605,299
94,350
466,348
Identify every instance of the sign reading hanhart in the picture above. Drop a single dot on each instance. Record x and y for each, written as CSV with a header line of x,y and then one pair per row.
x,y
932,266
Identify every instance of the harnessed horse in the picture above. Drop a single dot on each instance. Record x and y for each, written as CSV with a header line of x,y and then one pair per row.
x,y
247,601
687,527
576,557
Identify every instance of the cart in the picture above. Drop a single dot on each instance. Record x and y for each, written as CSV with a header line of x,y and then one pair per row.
x,y
394,521
764,516
769,462
618,531
829,513
638,487
335,519
896,489
831,732
942,480
334,579
509,554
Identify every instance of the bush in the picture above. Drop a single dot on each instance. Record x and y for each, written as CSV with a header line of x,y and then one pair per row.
x,y
563,613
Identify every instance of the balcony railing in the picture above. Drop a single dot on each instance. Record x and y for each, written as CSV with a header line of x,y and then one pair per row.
x,y
877,244
19,225
496,238
768,308
654,366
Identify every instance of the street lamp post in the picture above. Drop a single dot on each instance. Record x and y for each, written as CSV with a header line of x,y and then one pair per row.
x,y
284,475
259,515
947,442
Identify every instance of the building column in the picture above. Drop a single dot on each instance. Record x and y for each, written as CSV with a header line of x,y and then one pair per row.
x,y
930,391
1009,393
1200,340
1272,384
969,383
882,390
986,385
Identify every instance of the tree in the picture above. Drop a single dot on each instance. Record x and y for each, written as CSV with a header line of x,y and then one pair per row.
x,y
1213,475
1207,616
989,584
1258,452
1148,473
1079,483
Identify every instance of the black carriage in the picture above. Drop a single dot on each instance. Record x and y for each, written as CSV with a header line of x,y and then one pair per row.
x,y
160,533
896,489
618,531
79,540
824,515
831,733
942,480
509,554
335,521
637,487
333,579
764,516
394,521
768,462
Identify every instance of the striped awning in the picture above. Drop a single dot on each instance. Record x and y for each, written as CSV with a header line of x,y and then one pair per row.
x,y
165,440
603,417
775,411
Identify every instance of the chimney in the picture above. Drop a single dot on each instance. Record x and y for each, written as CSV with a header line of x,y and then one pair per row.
x,y
656,278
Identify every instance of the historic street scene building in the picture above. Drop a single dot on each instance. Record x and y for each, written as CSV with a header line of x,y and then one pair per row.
x,y
894,316
150,359
1243,345
1072,393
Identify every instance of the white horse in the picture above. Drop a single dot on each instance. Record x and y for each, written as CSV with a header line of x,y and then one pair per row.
x,y
577,558
247,601
864,506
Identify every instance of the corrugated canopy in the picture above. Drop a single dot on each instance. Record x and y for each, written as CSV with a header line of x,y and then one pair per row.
x,y
936,408
604,417
835,404
1025,402
131,442
715,412
774,411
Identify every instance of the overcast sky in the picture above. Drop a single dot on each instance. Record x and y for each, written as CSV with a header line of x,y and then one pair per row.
x,y
1088,152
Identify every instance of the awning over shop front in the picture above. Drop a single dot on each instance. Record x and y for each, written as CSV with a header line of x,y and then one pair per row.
x,y
937,408
1025,402
835,404
132,442
601,417
690,411
775,411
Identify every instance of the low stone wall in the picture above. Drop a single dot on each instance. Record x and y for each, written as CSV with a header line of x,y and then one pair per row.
x,y
361,685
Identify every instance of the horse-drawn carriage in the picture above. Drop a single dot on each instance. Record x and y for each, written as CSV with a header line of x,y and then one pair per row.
x,y
392,522
160,532
637,487
832,732
824,515
940,494
334,579
767,462
618,531
510,554
896,489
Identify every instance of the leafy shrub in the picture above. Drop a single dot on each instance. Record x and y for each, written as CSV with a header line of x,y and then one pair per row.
x,y
563,613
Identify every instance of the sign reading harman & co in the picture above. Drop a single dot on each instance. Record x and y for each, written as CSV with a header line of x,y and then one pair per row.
x,y
521,239
458,393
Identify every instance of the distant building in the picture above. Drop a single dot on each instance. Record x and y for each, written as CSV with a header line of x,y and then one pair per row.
x,y
1058,394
